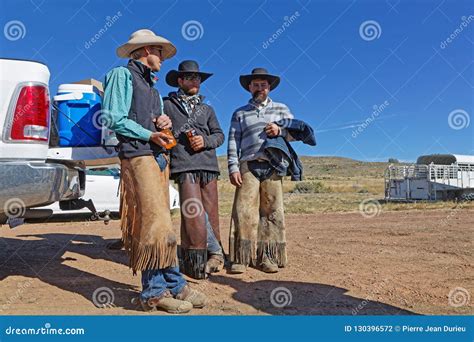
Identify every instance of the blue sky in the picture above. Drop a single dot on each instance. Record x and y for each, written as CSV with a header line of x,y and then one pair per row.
x,y
333,70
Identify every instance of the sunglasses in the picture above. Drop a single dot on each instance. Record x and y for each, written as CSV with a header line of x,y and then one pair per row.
x,y
157,50
192,77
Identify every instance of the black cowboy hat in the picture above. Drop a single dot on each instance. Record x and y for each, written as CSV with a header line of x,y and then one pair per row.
x,y
185,67
259,73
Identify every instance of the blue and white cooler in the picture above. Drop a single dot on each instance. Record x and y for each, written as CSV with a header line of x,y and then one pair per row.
x,y
79,121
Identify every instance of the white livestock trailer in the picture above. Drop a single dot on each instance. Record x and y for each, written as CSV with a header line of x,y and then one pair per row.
x,y
433,177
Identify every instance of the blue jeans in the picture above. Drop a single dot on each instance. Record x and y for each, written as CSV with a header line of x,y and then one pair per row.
x,y
213,246
162,162
262,170
156,282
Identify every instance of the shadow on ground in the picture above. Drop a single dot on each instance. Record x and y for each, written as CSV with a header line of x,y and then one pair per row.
x,y
277,297
42,258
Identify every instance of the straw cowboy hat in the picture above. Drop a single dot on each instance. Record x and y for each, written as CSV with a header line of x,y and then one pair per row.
x,y
143,38
185,67
261,73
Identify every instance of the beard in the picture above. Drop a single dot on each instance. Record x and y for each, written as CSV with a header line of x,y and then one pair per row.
x,y
259,96
191,91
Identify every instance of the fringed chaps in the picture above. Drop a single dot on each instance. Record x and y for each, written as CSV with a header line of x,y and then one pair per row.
x,y
198,198
257,229
147,231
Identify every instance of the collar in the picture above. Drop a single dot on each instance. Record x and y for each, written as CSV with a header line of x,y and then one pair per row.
x,y
183,103
145,71
183,97
265,103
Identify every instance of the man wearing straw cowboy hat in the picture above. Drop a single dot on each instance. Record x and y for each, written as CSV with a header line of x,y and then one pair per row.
x,y
257,235
132,108
194,167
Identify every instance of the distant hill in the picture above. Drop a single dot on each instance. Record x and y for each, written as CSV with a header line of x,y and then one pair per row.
x,y
330,184
330,167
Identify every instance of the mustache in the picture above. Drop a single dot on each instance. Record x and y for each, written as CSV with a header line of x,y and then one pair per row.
x,y
257,93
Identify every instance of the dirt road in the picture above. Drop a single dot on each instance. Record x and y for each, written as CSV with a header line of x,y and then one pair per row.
x,y
403,262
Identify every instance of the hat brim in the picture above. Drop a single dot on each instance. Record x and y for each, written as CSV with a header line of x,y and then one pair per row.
x,y
169,50
273,80
173,75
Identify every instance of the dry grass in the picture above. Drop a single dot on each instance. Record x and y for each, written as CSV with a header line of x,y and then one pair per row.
x,y
340,184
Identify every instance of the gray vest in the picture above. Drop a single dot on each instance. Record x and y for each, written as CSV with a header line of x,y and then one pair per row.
x,y
146,104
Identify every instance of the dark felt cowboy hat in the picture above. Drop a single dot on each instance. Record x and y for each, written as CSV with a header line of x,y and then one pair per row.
x,y
185,67
259,73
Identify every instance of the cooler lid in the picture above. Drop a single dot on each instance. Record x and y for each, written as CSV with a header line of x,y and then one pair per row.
x,y
76,88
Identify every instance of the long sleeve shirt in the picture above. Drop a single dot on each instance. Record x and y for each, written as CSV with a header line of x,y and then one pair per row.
x,y
204,120
116,105
247,131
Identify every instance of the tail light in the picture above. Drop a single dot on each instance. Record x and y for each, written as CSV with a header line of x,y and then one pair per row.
x,y
30,120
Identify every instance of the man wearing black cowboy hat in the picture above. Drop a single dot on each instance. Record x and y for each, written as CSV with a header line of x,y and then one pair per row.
x,y
257,235
194,167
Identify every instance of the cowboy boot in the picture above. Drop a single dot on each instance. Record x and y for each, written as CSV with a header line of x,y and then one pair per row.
x,y
167,303
268,266
194,297
237,268
215,263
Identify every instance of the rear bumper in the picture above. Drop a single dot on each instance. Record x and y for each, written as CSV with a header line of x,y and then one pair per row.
x,y
30,184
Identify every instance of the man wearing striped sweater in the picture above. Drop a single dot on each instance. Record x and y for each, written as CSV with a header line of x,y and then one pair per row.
x,y
257,236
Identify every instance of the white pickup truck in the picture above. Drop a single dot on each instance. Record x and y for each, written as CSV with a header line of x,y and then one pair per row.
x,y
36,179
27,177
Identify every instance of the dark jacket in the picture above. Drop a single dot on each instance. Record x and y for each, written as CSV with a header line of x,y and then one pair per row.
x,y
204,120
281,155
145,105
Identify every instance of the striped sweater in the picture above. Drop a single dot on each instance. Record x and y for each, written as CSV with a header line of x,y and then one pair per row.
x,y
247,134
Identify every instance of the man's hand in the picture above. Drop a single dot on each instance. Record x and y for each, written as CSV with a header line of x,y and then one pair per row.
x,y
162,122
160,138
236,179
197,142
272,130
